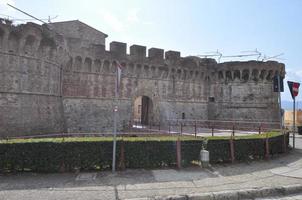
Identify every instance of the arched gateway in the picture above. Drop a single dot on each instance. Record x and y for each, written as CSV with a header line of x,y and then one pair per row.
x,y
142,110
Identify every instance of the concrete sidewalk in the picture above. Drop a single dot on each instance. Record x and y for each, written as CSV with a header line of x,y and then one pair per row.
x,y
259,177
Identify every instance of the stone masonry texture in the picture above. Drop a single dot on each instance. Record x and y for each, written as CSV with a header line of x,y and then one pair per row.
x,y
60,78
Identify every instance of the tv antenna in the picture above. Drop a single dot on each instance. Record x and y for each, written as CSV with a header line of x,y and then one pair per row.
x,y
216,53
49,19
52,18
254,53
265,58
40,20
249,54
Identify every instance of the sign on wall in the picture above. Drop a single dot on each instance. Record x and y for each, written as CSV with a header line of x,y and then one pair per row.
x,y
278,81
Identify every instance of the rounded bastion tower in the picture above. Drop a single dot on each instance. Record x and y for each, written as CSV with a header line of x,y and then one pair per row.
x,y
30,79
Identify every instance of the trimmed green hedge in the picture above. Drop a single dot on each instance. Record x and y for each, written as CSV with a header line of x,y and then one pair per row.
x,y
250,149
97,155
150,154
51,157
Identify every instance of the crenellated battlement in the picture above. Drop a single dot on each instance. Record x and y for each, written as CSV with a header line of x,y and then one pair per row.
x,y
248,71
156,55
118,49
39,41
43,43
173,66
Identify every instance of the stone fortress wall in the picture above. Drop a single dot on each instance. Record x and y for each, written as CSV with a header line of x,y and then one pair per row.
x,y
52,82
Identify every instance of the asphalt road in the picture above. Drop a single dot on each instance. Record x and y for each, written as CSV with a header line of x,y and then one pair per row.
x,y
291,197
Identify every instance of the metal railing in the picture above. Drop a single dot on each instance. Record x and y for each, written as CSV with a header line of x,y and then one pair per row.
x,y
205,127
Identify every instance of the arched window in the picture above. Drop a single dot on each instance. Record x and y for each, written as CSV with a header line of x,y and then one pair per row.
x,y
262,74
47,48
146,70
98,66
228,75
245,75
87,64
269,75
220,75
237,74
255,74
13,42
78,63
29,47
68,66
106,66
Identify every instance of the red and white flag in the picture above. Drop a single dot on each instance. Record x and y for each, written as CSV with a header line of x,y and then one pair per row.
x,y
294,88
118,76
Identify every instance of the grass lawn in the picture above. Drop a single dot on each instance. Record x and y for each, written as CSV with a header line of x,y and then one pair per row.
x,y
139,138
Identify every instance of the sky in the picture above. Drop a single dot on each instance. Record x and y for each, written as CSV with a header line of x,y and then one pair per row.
x,y
193,27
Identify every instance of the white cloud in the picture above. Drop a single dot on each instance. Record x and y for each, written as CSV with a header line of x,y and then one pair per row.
x,y
291,75
4,2
147,22
5,9
294,75
132,16
113,21
120,23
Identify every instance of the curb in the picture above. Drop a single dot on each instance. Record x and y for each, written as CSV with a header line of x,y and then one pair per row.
x,y
233,194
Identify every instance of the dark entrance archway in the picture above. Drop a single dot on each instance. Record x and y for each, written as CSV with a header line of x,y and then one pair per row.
x,y
143,110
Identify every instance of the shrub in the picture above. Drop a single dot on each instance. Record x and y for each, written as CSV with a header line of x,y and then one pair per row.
x,y
53,155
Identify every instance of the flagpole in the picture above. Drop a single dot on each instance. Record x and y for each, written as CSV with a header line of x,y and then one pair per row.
x,y
294,122
114,122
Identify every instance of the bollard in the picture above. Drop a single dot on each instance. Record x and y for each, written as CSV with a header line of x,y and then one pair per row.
x,y
204,155
204,158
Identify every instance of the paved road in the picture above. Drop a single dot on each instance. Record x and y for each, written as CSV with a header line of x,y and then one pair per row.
x,y
298,141
291,197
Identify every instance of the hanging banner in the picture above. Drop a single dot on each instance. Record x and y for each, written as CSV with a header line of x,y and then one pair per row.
x,y
294,88
118,76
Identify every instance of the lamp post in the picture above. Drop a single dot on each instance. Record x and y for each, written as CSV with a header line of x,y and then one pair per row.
x,y
115,110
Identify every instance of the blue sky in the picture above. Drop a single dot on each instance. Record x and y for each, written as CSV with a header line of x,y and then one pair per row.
x,y
192,27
